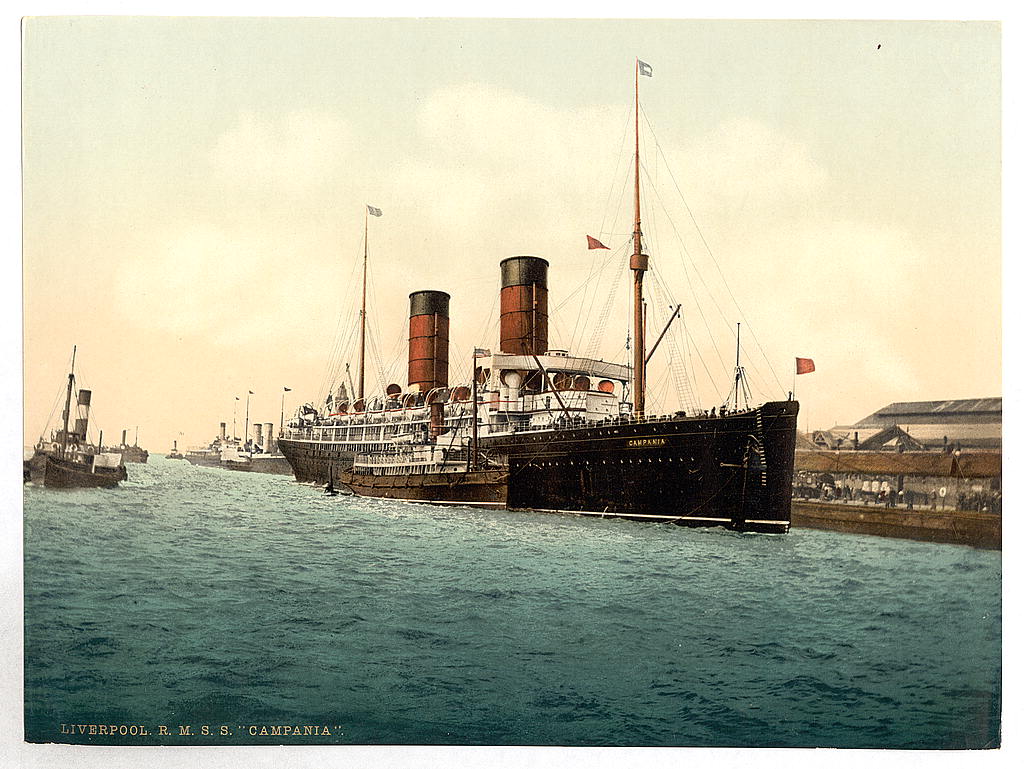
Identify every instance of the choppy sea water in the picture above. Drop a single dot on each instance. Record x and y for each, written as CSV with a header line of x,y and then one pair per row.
x,y
244,603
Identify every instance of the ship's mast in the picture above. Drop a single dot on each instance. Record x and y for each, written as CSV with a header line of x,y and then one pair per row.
x,y
740,385
246,440
638,264
362,310
739,371
474,456
67,403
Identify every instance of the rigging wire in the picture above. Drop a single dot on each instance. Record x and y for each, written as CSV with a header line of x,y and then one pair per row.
x,y
597,335
607,261
686,271
489,324
700,233
61,393
343,332
601,231
677,366
758,376
676,363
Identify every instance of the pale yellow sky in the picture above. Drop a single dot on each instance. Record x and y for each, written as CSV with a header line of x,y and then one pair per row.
x,y
194,193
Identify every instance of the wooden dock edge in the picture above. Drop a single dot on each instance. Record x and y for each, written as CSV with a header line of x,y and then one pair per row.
x,y
981,530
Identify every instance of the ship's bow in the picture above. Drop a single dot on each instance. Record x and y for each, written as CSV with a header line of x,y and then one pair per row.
x,y
779,430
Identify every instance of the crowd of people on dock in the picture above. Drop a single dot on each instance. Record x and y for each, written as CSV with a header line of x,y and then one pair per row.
x,y
882,493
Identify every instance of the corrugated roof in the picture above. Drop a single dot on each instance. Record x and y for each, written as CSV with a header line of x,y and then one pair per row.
x,y
933,463
985,409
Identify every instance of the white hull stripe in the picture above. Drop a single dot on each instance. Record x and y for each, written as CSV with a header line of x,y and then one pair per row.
x,y
459,503
659,517
436,501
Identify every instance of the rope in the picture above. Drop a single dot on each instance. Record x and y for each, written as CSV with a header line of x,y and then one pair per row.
x,y
602,322
711,253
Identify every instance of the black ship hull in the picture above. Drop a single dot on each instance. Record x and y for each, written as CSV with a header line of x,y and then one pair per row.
x,y
133,454
52,472
313,462
203,460
734,470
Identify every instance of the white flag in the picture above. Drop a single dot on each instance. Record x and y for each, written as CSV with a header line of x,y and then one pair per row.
x,y
373,211
645,68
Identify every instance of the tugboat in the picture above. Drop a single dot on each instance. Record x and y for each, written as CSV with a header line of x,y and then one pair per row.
x,y
67,460
174,453
134,453
545,430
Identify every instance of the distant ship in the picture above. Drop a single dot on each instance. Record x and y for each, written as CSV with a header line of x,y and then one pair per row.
x,y
209,455
546,430
133,453
257,454
67,459
174,453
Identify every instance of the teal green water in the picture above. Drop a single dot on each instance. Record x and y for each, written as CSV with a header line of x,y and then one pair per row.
x,y
199,597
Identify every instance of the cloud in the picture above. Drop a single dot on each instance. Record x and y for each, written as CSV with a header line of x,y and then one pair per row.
x,y
745,162
492,152
293,154
228,288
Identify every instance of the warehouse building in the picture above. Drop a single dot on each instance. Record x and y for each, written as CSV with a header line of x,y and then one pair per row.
x,y
974,423
945,454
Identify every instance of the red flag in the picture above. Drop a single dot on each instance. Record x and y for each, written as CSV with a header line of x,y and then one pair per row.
x,y
593,243
804,365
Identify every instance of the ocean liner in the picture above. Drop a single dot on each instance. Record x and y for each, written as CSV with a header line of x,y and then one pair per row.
x,y
546,430
256,454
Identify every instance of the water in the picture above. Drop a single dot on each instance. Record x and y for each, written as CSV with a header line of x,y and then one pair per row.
x,y
199,597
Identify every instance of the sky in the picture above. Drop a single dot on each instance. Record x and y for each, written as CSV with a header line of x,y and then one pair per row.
x,y
193,200
194,197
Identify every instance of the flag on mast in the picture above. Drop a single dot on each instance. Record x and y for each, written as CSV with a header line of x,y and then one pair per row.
x,y
804,365
593,243
373,211
645,68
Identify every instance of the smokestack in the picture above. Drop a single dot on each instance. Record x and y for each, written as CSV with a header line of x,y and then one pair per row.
x,y
223,430
258,437
82,422
428,340
124,437
268,436
524,305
